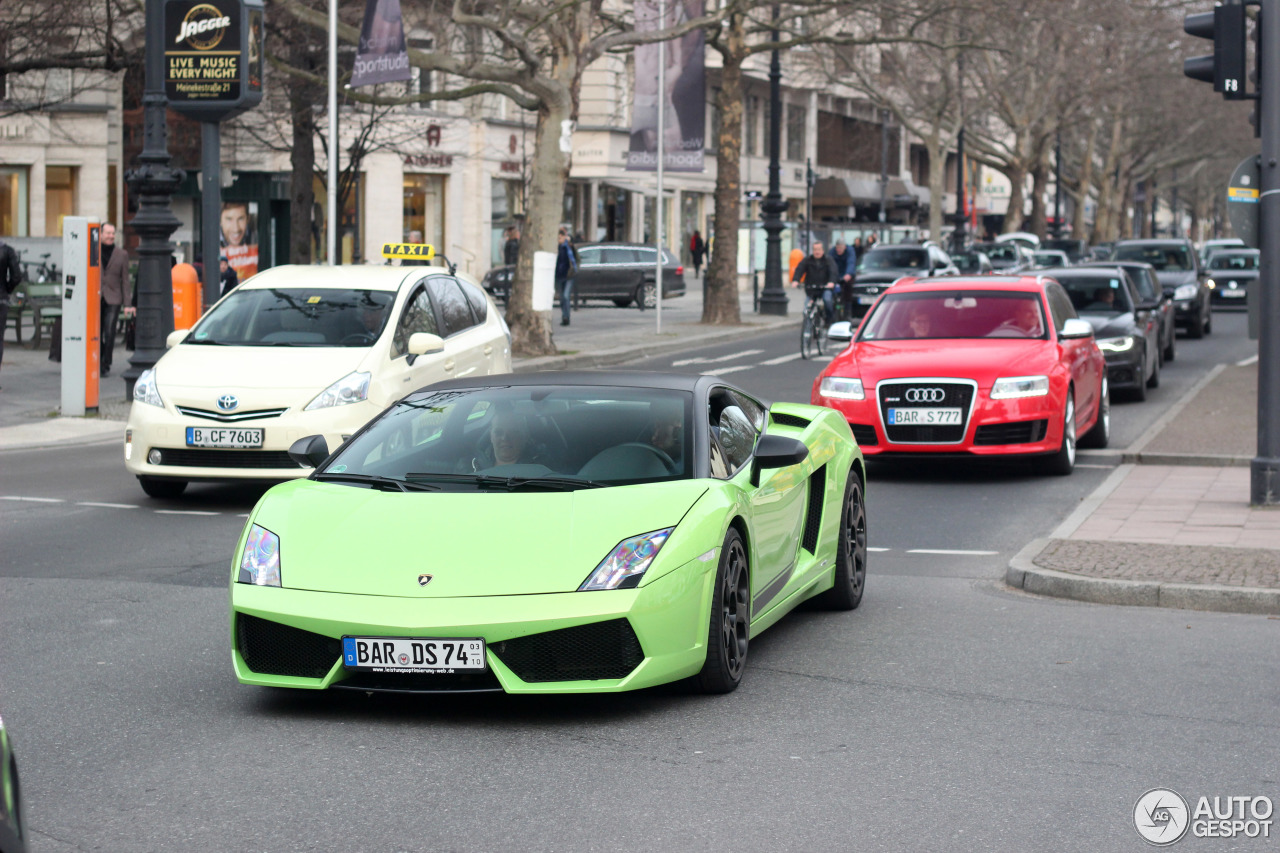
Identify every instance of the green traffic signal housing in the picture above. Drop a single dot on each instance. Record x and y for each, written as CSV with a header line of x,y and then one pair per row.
x,y
1225,67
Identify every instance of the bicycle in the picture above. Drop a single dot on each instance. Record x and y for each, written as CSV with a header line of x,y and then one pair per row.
x,y
44,272
813,331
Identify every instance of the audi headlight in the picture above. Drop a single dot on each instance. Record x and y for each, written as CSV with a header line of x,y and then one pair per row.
x,y
1014,387
1123,344
145,391
627,562
352,388
1185,292
260,562
842,388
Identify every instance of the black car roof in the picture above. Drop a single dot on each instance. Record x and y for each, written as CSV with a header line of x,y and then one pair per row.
x,y
1155,241
604,378
1098,272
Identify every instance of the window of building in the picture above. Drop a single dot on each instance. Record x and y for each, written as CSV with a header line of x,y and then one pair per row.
x,y
419,82
849,143
795,132
424,207
13,201
348,223
751,125
59,197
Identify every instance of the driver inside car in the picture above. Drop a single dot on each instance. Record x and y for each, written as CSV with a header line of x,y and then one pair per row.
x,y
667,431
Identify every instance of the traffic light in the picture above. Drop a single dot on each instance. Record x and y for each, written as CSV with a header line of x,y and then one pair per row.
x,y
1224,68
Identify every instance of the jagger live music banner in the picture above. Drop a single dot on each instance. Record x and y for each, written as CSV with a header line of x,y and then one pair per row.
x,y
202,51
683,103
382,57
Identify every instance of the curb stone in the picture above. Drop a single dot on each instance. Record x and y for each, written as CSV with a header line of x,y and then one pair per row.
x,y
1025,575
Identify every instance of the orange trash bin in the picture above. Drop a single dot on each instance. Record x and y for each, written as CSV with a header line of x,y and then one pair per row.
x,y
188,296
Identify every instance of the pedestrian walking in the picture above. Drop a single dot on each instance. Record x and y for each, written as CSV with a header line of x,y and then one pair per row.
x,y
10,278
566,268
819,273
846,269
227,275
115,293
697,252
511,248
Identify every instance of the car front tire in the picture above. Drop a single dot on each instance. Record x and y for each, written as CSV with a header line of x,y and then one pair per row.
x,y
162,487
1100,435
1063,462
646,295
729,626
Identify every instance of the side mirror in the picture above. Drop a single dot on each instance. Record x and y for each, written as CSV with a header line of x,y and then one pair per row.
x,y
1149,305
423,343
776,451
176,337
309,452
1074,329
840,333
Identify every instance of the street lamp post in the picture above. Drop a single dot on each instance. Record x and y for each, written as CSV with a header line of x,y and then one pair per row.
x,y
1057,186
152,183
773,300
884,167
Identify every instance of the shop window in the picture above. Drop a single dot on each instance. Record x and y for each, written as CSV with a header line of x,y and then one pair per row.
x,y
350,225
13,201
750,125
424,208
420,80
59,197
795,132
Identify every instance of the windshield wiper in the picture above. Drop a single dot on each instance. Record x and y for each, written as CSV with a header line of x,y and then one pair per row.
x,y
510,483
374,480
206,342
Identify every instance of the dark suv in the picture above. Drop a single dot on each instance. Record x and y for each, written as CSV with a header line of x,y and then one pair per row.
x,y
620,272
883,265
1178,268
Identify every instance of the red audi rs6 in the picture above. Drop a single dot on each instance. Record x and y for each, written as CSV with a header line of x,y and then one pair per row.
x,y
971,366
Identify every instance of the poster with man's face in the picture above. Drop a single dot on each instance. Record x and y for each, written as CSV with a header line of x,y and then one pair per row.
x,y
239,239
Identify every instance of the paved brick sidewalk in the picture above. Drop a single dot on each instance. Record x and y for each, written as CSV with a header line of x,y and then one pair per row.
x,y
1244,567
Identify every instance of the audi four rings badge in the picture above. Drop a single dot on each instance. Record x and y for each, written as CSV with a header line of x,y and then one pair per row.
x,y
925,395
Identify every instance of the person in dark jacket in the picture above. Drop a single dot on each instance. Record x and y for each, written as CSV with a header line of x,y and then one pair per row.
x,y
511,249
566,267
115,294
10,278
697,252
227,276
819,273
846,258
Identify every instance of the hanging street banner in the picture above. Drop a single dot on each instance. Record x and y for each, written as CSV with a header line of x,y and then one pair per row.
x,y
213,57
683,103
382,57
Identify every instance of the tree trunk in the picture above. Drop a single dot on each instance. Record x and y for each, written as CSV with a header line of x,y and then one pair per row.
x,y
302,161
1017,175
1124,219
721,305
530,329
1038,223
937,183
1085,185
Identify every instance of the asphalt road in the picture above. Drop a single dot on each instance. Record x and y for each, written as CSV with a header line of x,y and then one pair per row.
x,y
946,713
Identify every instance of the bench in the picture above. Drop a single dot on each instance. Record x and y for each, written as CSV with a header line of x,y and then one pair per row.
x,y
43,301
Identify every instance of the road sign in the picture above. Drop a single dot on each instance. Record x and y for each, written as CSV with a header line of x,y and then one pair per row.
x,y
1242,201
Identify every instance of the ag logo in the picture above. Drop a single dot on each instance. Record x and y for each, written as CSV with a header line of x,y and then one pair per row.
x,y
203,27
423,580
1161,816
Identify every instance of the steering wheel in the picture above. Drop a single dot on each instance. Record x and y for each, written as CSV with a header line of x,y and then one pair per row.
x,y
356,339
658,452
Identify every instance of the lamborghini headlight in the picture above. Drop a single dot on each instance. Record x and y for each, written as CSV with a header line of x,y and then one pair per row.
x,y
627,562
145,391
1122,344
352,388
1014,387
260,562
842,388
1185,292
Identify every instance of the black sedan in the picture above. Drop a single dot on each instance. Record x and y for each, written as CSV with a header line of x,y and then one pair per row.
x,y
1008,258
1231,272
879,268
1127,334
1178,268
1154,298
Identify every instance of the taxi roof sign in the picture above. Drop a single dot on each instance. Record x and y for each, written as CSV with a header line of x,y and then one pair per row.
x,y
409,251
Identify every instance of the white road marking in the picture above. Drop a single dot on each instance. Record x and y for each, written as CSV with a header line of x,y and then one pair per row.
x,y
32,500
1103,467
869,548
185,512
109,506
1248,361
782,359
703,360
949,552
723,370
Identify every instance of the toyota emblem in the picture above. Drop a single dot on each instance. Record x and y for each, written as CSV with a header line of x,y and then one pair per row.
x,y
228,402
423,580
925,395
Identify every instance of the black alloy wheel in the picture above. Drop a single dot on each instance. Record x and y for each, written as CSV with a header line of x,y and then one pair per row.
x,y
646,295
1139,392
1100,434
851,551
1063,462
729,630
1195,329
1171,350
1154,381
1208,319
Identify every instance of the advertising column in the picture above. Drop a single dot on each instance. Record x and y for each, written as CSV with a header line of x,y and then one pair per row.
x,y
81,315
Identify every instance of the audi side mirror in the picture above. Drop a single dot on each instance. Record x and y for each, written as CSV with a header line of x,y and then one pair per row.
x,y
841,332
1075,329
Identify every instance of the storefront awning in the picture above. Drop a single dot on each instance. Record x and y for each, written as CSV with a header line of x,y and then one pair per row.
x,y
650,189
843,192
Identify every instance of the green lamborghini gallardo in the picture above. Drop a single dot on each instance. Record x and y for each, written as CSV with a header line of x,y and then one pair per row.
x,y
549,533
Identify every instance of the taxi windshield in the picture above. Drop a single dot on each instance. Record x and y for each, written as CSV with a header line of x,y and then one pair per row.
x,y
956,314
296,317
556,438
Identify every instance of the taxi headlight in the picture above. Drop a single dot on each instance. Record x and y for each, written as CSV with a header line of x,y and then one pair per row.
x,y
352,388
145,391
842,388
1185,291
1123,344
260,562
627,562
1014,387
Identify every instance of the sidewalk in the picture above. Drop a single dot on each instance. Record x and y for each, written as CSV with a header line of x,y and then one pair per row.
x,y
599,335
1172,527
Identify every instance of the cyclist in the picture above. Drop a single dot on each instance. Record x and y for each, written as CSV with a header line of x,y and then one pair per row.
x,y
820,276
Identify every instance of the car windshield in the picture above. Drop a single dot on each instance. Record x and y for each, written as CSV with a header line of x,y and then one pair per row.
x,y
894,258
1006,253
1050,259
967,261
296,317
1233,261
1096,294
955,314
1163,258
544,437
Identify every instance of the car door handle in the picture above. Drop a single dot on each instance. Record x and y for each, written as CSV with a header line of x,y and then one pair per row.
x,y
448,365
488,349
